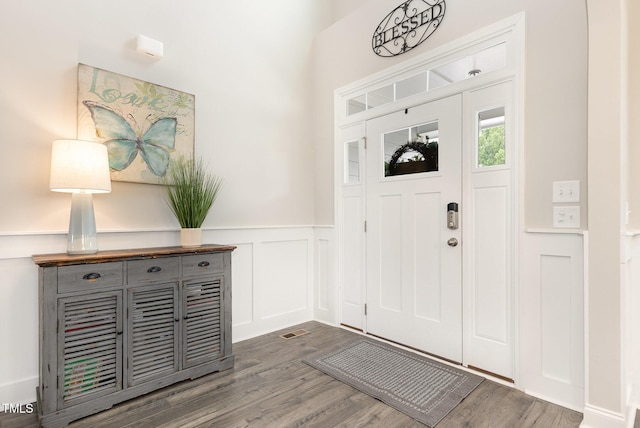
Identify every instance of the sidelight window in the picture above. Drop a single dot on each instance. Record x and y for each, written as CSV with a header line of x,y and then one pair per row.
x,y
353,163
491,139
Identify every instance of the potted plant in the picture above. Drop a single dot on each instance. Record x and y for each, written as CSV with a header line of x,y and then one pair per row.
x,y
191,191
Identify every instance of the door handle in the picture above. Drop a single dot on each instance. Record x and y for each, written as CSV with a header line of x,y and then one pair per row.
x,y
452,242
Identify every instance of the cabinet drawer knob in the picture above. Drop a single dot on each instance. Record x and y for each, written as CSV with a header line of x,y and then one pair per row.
x,y
91,276
153,269
204,264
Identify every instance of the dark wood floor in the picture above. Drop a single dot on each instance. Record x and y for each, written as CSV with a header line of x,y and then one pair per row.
x,y
270,386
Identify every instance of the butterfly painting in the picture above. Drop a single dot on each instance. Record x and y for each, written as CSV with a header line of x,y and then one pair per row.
x,y
123,143
143,125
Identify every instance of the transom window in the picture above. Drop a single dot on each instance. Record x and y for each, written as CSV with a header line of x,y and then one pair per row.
x,y
467,67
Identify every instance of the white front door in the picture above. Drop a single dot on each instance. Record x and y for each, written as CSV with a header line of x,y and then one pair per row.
x,y
413,262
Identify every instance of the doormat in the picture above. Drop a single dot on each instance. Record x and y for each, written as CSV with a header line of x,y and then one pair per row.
x,y
423,389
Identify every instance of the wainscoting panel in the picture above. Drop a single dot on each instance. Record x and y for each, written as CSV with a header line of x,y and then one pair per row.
x,y
282,276
273,288
322,277
325,298
556,323
552,309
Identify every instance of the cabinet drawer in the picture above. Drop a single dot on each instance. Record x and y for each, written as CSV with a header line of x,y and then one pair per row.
x,y
200,264
89,276
161,269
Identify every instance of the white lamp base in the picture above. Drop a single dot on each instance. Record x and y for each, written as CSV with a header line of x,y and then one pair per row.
x,y
82,237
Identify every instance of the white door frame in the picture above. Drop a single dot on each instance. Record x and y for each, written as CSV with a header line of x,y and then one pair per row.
x,y
510,30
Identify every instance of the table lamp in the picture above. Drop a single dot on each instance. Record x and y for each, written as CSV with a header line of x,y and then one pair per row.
x,y
80,168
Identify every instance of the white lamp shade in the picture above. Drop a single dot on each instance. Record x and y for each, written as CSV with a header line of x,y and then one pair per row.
x,y
79,167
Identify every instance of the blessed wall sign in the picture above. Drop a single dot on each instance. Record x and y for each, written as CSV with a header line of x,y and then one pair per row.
x,y
407,26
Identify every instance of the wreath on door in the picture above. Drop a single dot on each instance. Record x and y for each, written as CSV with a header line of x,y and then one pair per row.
x,y
425,160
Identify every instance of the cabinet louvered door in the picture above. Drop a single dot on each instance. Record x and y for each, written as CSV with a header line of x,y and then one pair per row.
x,y
152,332
90,351
203,320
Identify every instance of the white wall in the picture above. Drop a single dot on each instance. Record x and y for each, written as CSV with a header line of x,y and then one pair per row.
x,y
342,8
248,64
555,105
631,293
634,111
607,201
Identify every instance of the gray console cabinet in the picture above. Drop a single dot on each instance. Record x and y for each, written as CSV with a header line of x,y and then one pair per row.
x,y
118,324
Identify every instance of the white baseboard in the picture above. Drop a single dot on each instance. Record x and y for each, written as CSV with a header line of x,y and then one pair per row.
x,y
595,417
248,331
18,392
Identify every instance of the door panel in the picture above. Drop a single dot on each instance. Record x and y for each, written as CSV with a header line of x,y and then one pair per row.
x,y
391,269
427,257
414,290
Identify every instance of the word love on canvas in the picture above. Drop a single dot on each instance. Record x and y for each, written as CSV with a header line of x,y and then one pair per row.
x,y
107,89
407,26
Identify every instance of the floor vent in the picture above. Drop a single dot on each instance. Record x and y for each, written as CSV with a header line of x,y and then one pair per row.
x,y
293,334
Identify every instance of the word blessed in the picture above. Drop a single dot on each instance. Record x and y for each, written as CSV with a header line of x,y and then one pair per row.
x,y
407,26
17,408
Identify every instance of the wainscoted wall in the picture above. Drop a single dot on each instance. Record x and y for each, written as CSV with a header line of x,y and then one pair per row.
x,y
326,296
273,286
552,316
286,275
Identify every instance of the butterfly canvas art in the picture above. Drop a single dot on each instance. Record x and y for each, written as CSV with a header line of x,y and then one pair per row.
x,y
143,125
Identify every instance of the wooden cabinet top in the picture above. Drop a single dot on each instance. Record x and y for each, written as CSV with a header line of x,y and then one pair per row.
x,y
64,259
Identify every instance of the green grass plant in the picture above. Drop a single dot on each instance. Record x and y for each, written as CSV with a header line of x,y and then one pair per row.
x,y
191,191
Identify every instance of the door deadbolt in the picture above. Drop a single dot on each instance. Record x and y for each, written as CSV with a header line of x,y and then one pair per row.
x,y
452,242
452,215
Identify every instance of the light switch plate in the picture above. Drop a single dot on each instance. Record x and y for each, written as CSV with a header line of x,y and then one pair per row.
x,y
566,191
568,216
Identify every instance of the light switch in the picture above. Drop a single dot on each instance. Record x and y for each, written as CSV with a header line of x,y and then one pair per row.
x,y
566,191
568,216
